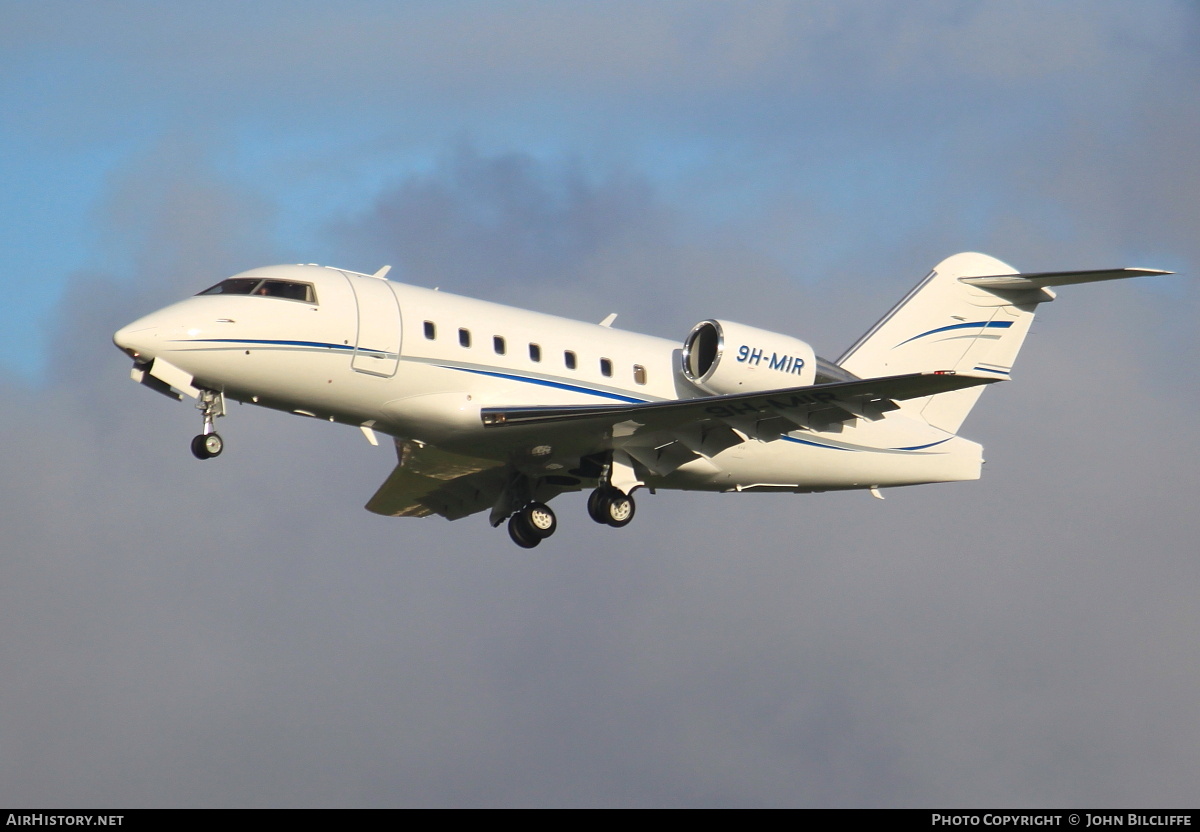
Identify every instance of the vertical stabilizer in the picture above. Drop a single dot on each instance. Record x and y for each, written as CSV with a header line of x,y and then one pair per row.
x,y
947,324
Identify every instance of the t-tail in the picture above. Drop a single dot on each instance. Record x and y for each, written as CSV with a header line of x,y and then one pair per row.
x,y
969,315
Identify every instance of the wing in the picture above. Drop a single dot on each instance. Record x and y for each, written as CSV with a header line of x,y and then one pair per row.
x,y
431,481
868,398
665,435
660,435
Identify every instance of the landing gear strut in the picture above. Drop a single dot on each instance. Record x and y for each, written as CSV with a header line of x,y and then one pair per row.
x,y
531,525
209,443
611,504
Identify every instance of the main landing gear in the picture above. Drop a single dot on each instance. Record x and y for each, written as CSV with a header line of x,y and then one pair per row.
x,y
536,521
611,506
531,525
530,522
209,443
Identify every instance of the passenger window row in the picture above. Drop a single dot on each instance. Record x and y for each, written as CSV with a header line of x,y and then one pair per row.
x,y
500,347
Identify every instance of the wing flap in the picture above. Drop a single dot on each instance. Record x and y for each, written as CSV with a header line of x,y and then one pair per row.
x,y
401,495
437,464
407,494
663,459
708,438
432,481
765,415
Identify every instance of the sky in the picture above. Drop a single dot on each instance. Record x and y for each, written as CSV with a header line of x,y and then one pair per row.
x,y
241,633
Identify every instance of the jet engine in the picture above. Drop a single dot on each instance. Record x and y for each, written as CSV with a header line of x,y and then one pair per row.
x,y
722,357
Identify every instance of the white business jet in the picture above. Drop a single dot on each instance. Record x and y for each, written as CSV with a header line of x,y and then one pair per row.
x,y
501,409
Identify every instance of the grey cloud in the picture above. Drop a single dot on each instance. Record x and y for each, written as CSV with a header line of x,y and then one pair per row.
x,y
504,219
557,238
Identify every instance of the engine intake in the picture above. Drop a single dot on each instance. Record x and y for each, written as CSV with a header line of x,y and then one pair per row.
x,y
723,357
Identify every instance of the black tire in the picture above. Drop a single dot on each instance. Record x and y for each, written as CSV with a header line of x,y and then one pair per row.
x,y
539,520
207,445
521,533
198,449
595,507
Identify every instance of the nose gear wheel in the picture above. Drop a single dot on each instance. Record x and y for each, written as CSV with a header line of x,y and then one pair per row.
x,y
206,446
208,443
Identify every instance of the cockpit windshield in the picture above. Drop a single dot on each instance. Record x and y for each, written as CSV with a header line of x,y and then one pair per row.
x,y
286,289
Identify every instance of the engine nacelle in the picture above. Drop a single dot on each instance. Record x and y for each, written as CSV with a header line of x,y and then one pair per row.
x,y
723,357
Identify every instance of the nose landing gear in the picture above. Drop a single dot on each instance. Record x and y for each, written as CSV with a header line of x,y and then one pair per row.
x,y
209,443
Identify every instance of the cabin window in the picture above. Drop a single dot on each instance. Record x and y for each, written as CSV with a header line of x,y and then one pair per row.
x,y
535,352
286,289
430,330
464,337
606,366
639,373
569,359
498,344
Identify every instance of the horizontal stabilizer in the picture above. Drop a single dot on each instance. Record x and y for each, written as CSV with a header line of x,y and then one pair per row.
x,y
1042,280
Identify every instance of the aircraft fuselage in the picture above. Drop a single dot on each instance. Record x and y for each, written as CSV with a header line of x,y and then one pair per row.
x,y
419,364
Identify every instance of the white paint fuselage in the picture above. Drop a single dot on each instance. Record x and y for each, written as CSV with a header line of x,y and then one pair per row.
x,y
360,355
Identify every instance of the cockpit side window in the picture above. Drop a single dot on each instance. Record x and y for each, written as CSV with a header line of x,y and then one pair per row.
x,y
233,286
286,289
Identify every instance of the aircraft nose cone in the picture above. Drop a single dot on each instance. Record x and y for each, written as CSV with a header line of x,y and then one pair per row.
x,y
136,341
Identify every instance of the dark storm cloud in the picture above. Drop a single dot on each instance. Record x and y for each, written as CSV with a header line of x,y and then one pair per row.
x,y
241,632
556,238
